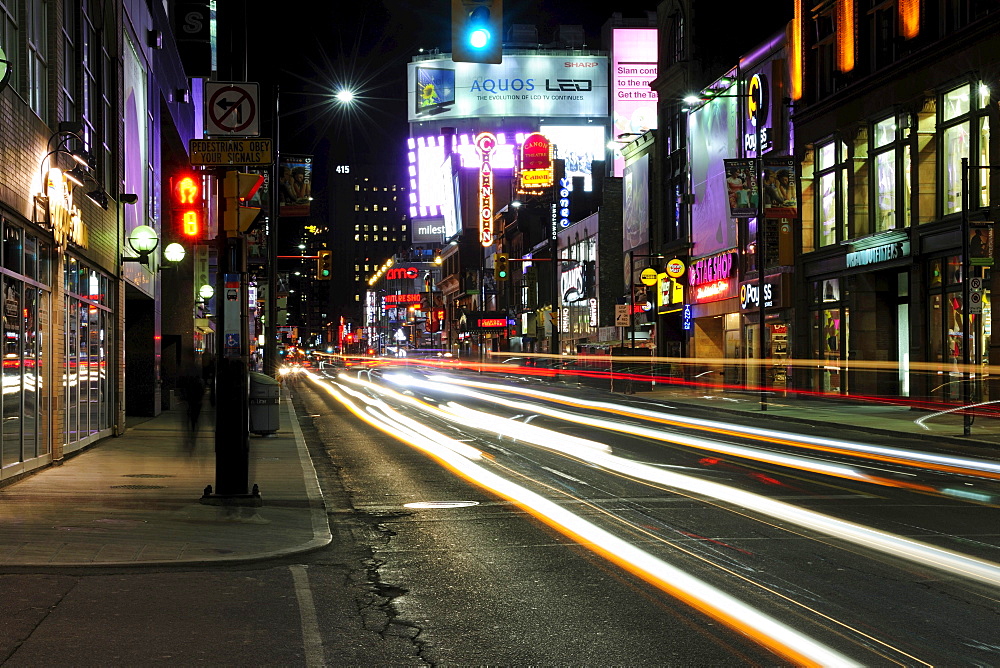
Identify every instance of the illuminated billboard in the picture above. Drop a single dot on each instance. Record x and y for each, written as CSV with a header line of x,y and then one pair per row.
x,y
712,132
635,221
534,85
633,66
431,181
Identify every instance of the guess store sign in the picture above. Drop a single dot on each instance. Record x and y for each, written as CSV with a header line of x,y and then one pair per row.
x,y
713,278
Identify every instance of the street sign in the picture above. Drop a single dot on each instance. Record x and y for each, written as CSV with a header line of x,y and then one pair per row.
x,y
218,152
621,315
648,276
975,302
976,284
231,108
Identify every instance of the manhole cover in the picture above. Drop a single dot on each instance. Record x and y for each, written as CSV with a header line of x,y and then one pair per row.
x,y
136,486
146,475
440,504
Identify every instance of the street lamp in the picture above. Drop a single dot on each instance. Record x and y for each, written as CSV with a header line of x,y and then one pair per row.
x,y
142,240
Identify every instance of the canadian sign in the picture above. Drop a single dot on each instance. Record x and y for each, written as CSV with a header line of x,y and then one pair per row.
x,y
231,152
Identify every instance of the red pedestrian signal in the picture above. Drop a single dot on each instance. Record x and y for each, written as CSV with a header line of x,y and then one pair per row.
x,y
188,205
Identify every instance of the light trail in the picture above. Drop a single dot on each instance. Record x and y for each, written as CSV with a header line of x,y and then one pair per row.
x,y
943,463
762,628
896,546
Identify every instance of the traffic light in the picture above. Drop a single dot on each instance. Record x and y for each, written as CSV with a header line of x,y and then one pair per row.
x,y
188,206
476,31
237,188
501,267
324,265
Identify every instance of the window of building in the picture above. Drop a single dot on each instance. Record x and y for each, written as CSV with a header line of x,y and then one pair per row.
x,y
890,164
825,49
36,18
831,195
965,133
9,25
880,25
70,58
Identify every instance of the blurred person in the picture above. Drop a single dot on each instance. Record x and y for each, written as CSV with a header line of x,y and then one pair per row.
x,y
192,390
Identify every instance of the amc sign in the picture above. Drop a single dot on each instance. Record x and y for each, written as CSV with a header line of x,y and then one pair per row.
x,y
401,272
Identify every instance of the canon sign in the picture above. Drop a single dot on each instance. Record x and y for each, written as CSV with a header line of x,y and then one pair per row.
x,y
401,272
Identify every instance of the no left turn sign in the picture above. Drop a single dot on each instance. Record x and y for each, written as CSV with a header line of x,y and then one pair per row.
x,y
231,109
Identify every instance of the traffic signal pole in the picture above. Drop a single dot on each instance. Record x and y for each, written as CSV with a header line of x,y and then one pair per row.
x,y
232,409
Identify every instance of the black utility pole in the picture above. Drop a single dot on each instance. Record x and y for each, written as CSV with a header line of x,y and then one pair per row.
x,y
271,326
232,410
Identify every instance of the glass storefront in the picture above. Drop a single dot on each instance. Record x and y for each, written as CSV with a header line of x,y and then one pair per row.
x,y
89,324
25,408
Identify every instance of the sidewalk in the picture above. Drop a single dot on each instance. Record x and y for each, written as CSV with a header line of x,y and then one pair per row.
x,y
134,500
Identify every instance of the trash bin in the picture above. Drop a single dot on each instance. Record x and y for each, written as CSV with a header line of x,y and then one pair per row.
x,y
264,393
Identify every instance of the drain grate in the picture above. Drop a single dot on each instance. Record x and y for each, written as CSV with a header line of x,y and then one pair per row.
x,y
136,486
146,475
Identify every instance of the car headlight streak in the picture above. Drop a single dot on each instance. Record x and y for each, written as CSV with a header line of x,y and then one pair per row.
x,y
769,632
897,546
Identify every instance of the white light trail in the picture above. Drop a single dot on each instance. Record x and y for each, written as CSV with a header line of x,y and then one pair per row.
x,y
769,632
891,544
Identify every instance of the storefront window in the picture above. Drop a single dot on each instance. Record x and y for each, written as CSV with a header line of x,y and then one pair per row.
x,y
830,175
87,318
24,409
891,178
12,367
965,134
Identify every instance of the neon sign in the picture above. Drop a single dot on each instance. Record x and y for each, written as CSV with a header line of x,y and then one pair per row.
x,y
709,290
483,323
565,186
402,299
401,272
486,143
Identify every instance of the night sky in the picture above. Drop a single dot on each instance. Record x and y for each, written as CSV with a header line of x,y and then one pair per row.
x,y
366,44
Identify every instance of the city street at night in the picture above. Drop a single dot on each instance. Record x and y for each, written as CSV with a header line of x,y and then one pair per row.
x,y
483,518
499,332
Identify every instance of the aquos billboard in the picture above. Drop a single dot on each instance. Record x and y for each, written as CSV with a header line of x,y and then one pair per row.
x,y
537,85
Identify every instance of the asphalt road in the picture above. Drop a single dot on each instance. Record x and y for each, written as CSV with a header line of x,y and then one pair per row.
x,y
822,552
524,529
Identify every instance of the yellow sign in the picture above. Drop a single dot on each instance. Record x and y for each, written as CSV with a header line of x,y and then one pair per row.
x,y
675,268
536,178
648,276
231,152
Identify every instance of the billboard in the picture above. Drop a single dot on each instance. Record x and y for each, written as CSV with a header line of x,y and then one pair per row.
x,y
633,66
294,185
431,181
712,132
535,85
635,222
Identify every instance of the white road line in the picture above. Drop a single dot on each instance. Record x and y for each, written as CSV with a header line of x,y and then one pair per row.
x,y
312,641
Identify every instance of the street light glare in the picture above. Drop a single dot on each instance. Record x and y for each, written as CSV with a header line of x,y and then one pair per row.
x,y
345,96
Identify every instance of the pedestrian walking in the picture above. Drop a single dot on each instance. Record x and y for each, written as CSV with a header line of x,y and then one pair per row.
x,y
192,390
208,375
